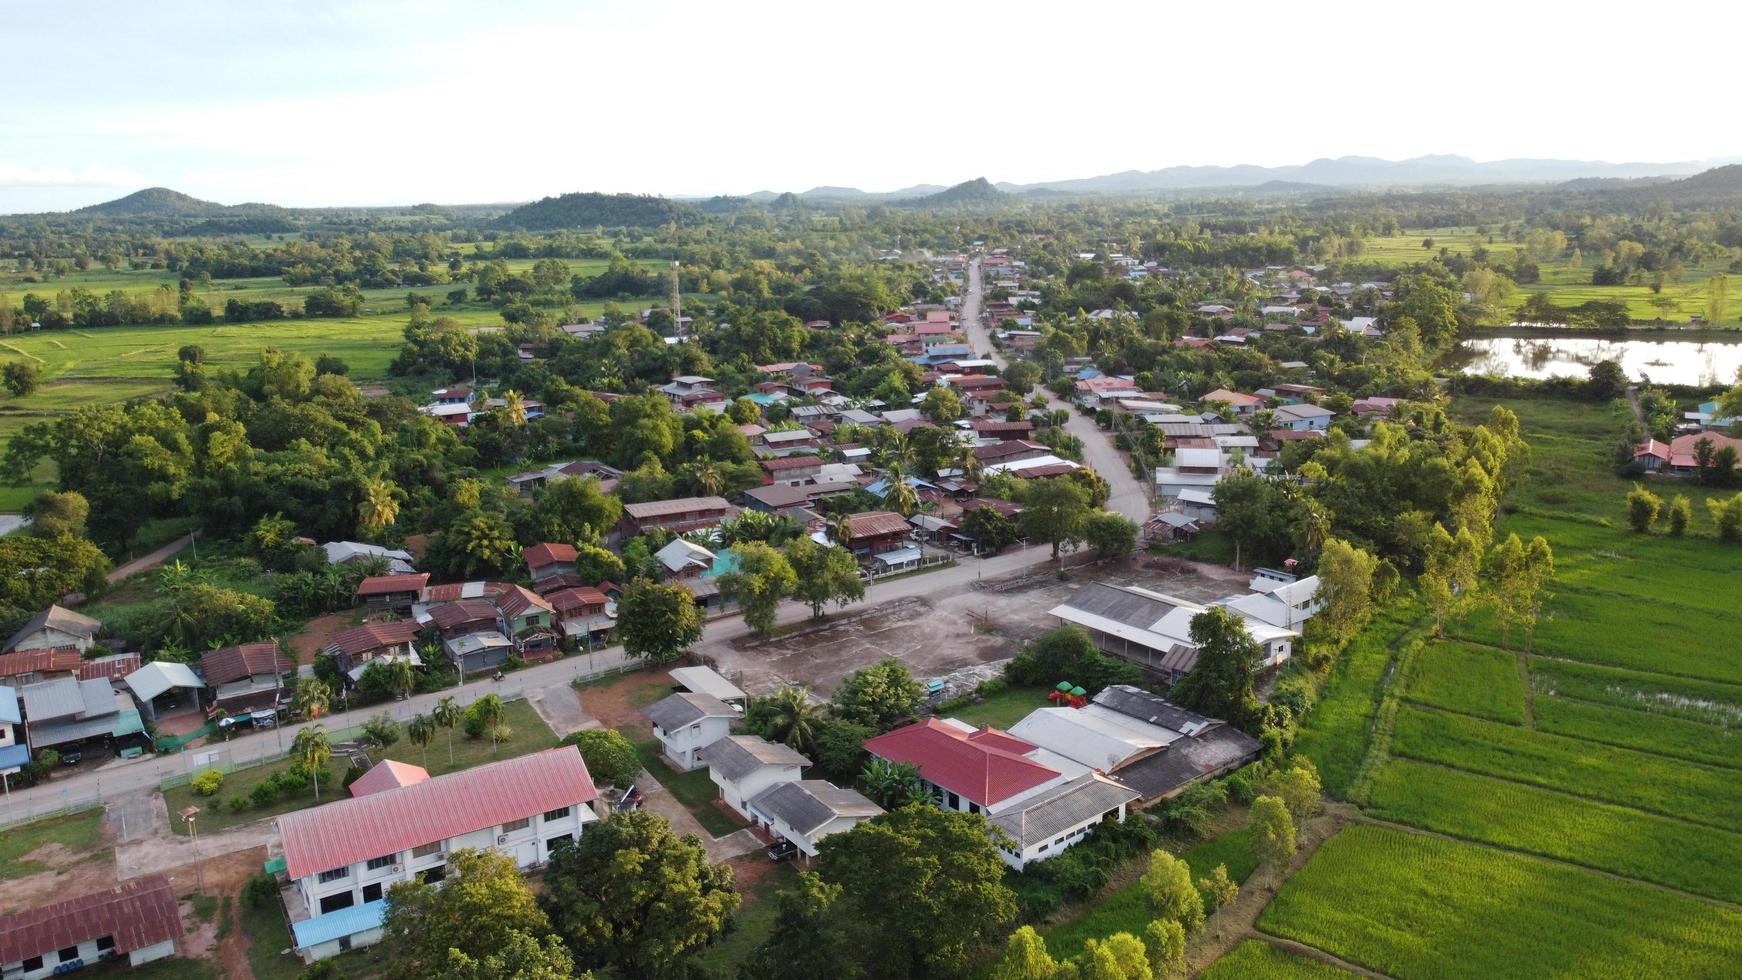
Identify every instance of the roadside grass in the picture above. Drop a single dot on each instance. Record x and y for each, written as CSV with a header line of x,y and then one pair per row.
x,y
751,927
694,789
268,934
530,734
1005,708
1473,680
1618,839
1335,732
1702,794
172,968
1214,547
1707,702
1408,905
1255,959
81,833
1640,730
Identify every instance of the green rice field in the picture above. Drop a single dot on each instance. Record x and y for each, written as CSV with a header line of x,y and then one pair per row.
x,y
1473,680
1255,960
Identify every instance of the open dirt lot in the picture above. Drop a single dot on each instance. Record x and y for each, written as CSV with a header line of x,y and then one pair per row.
x,y
936,634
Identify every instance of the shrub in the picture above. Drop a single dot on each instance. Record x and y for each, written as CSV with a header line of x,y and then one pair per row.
x,y
208,782
265,793
474,726
1642,508
1680,513
1194,810
260,891
237,804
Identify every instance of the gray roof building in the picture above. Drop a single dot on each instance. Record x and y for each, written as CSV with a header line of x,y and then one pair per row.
x,y
684,707
737,756
58,619
1063,807
808,805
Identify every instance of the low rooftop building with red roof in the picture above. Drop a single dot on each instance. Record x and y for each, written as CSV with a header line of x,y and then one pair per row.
x,y
138,919
393,591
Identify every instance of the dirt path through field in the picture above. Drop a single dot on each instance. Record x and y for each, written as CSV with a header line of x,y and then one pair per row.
x,y
152,560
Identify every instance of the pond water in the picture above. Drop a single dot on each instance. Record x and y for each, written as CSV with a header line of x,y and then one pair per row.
x,y
1673,361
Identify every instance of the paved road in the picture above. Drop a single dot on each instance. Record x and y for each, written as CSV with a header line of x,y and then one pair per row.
x,y
1129,496
151,560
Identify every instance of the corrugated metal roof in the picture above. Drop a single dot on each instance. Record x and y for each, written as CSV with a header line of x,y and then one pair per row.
x,y
9,713
388,774
159,676
806,805
1088,797
43,660
227,664
373,636
59,618
343,833
111,668
388,584
680,709
985,769
337,925
680,505
57,698
706,680
737,756
137,914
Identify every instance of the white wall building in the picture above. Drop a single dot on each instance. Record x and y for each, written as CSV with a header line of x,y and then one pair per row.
x,y
687,722
745,765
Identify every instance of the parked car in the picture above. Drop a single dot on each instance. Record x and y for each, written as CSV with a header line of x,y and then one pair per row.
x,y
780,850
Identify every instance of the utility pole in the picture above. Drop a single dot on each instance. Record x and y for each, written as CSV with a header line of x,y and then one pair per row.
x,y
676,300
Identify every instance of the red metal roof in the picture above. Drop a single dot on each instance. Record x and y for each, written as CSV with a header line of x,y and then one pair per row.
x,y
452,614
387,584
43,660
348,831
577,599
109,668
234,663
373,636
450,591
985,766
388,774
540,555
137,914
518,599
876,523
790,463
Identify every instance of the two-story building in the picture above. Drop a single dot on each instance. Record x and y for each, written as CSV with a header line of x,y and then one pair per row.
x,y
14,752
688,722
530,621
397,592
679,515
248,676
342,858
583,613
549,560
745,765
56,627
356,648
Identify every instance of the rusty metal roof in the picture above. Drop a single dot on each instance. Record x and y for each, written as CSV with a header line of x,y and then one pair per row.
x,y
137,914
229,664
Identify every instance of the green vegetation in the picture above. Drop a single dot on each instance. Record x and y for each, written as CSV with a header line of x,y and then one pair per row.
x,y
1004,708
1627,842
694,789
751,926
1258,960
1676,697
79,833
1641,730
1335,733
1427,908
267,935
1473,680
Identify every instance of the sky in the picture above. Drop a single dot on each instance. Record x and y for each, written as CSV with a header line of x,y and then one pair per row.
x,y
357,103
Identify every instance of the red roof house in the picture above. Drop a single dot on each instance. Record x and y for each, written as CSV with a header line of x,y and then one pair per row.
x,y
136,916
984,766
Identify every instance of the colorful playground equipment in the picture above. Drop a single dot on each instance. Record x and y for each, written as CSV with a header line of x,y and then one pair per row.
x,y
1069,695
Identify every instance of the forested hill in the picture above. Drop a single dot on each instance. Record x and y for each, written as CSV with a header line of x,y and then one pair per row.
x,y
589,209
1717,184
155,202
971,192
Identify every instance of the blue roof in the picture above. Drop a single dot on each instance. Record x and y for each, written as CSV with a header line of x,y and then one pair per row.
x,y
881,487
14,757
760,398
9,714
725,562
1087,373
337,925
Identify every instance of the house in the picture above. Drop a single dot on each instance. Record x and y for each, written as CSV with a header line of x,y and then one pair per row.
x,y
745,765
544,561
462,617
56,627
1651,454
247,677
14,748
789,442
478,651
1375,405
112,668
1032,467
1154,630
582,612
68,711
457,415
804,811
392,591
687,386
1684,450
350,552
679,515
791,470
875,531
687,722
1002,431
531,621
354,649
1092,392
1011,451
138,920
1279,598
388,774
684,559
533,480
1303,417
39,664
1171,525
929,527
343,857
1195,468
1045,801
164,688
1242,403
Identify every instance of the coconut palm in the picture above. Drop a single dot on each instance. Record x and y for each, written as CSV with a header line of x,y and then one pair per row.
x,y
708,479
513,407
312,749
1311,527
841,530
312,697
403,674
378,507
900,495
421,730
446,714
891,785
489,710
792,718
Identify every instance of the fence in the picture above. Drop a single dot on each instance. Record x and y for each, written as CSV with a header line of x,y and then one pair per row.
x,y
23,813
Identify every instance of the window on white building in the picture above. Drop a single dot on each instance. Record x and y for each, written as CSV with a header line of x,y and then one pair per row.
x,y
514,825
557,814
425,850
333,875
376,864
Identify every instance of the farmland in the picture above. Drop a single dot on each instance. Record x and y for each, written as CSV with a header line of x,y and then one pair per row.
x,y
1252,960
1481,681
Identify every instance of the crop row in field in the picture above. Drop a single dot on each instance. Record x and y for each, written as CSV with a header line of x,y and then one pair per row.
x,y
1425,908
1257,960
1627,842
1707,702
1699,793
1639,730
1334,733
1475,680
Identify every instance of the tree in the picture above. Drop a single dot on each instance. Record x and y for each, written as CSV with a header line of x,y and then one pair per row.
x,y
941,404
1120,956
1297,787
1219,889
1642,508
446,714
522,958
1025,958
922,890
1272,830
632,895
377,507
421,730
990,529
312,749
1516,577
1345,588
477,910
1111,535
21,377
839,749
1257,513
1020,376
804,943
1680,513
1727,517
900,495
59,515
1717,296
879,696
786,716
312,697
1053,513
1220,683
824,574
36,571
657,622
762,579
488,710
610,756
892,785
480,542
576,510
1168,885
403,676
594,564
1449,573
1606,381
1166,941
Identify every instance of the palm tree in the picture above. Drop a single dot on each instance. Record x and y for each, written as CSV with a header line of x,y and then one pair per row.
x,y
313,750
792,718
708,479
513,407
421,731
841,530
404,675
891,785
446,714
489,710
378,507
1311,527
900,495
312,697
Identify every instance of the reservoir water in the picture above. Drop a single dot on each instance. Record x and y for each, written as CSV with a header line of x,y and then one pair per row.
x,y
1664,361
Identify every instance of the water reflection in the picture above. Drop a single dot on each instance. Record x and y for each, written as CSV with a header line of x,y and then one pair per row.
x,y
1680,362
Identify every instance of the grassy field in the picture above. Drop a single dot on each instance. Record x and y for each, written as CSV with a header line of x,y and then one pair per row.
x,y
751,927
531,734
1675,697
1427,908
80,833
1005,708
1690,740
1257,960
1335,733
1474,680
695,789
1565,283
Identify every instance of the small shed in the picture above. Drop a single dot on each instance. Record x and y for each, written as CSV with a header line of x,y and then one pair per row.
x,y
164,687
707,680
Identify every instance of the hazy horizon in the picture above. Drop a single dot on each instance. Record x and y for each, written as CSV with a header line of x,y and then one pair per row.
x,y
415,101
